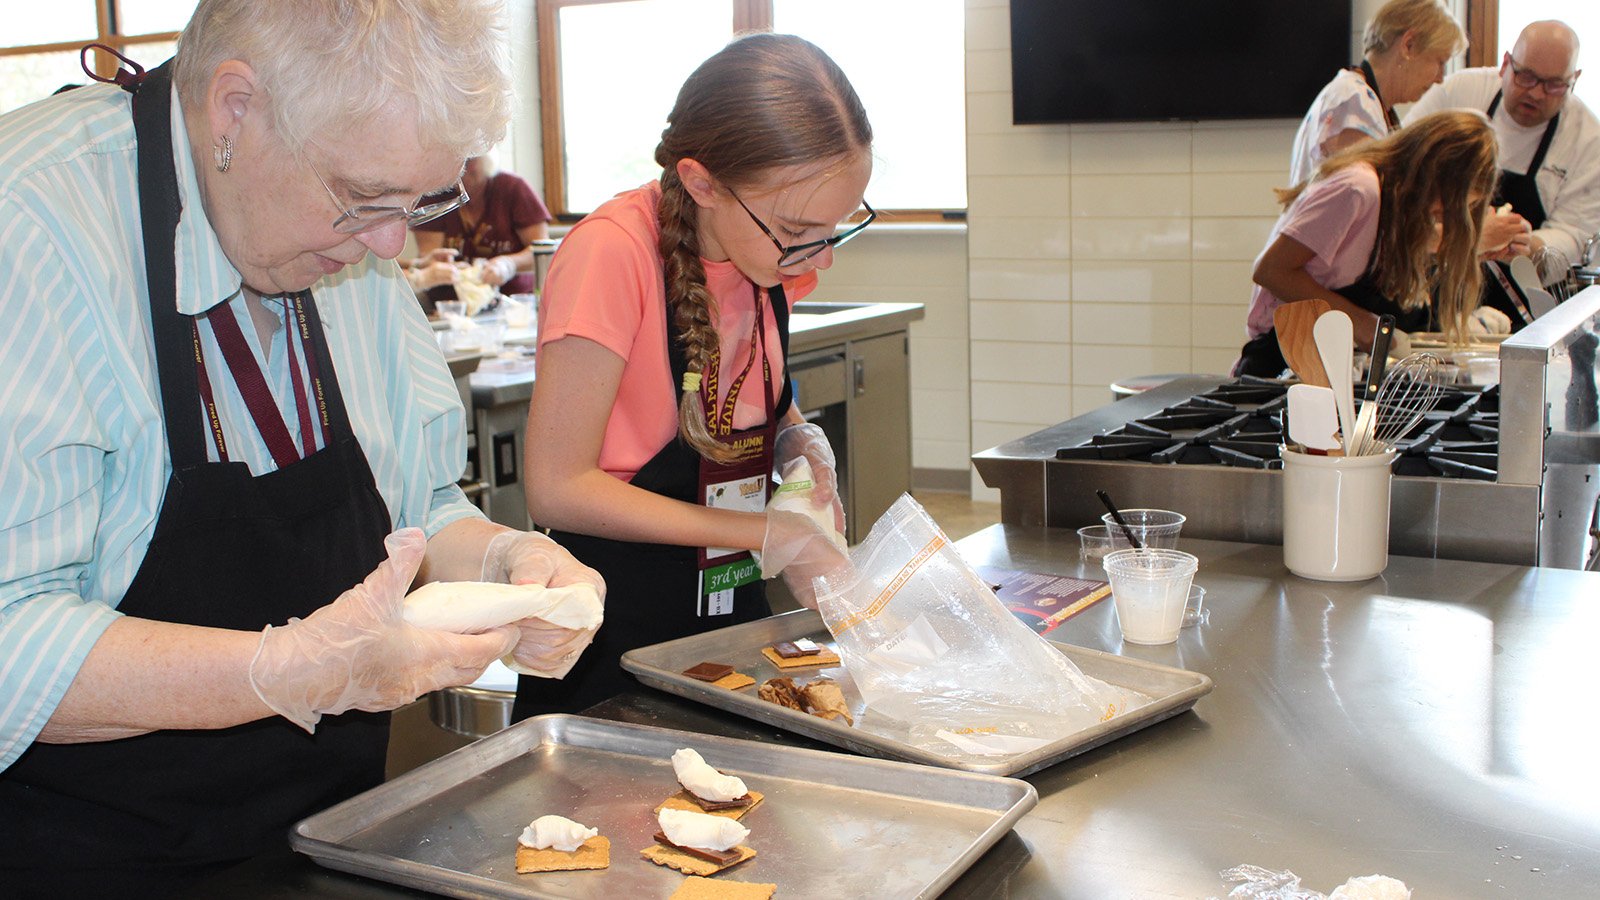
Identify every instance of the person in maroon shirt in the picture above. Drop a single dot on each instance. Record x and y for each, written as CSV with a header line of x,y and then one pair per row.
x,y
498,225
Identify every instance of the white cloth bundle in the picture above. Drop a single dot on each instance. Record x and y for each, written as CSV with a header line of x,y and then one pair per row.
x,y
469,607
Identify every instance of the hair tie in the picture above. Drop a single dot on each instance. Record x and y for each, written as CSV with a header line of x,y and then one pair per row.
x,y
691,382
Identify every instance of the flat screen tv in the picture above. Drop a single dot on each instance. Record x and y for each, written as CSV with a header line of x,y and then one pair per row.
x,y
1160,60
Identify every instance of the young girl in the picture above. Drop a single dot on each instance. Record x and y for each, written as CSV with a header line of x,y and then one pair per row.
x,y
1384,225
661,406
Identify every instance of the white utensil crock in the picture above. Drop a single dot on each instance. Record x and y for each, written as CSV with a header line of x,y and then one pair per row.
x,y
1336,515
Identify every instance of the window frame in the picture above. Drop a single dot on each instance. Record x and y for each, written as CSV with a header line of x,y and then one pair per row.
x,y
1483,33
107,14
748,15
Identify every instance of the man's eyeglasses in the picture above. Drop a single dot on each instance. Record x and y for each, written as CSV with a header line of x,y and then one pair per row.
x,y
788,256
357,219
1524,77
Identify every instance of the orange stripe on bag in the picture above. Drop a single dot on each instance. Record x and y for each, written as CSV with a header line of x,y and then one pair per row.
x,y
893,587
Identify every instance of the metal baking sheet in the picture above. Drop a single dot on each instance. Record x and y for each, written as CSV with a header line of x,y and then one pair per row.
x,y
661,665
831,825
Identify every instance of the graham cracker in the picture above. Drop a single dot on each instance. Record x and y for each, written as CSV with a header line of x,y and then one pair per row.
x,y
696,888
825,658
673,858
734,681
595,853
685,801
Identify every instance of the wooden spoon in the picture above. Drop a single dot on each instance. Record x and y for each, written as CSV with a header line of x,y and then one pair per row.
x,y
1294,323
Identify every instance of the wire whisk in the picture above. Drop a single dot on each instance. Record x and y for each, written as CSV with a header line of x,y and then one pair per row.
x,y
1411,389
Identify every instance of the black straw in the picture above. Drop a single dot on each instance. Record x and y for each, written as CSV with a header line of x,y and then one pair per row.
x,y
1121,522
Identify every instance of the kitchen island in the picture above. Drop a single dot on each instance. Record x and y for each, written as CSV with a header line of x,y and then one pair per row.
x,y
1431,724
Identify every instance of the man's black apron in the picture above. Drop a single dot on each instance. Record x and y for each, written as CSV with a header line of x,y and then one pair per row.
x,y
1521,190
145,815
1262,357
654,591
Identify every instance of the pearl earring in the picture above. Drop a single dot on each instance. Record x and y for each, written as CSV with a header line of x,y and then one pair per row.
x,y
223,155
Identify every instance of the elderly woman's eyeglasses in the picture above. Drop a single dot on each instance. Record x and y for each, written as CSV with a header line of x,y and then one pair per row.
x,y
1526,78
788,256
357,219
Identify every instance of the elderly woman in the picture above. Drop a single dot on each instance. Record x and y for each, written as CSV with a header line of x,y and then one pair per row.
x,y
236,446
1406,45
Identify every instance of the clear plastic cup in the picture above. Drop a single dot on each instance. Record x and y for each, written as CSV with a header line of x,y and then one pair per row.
x,y
449,308
1156,528
1094,542
1194,608
1150,588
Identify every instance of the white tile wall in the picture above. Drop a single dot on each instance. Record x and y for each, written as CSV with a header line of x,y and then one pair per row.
x,y
1101,252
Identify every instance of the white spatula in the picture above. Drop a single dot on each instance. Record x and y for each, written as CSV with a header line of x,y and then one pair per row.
x,y
1313,417
1336,345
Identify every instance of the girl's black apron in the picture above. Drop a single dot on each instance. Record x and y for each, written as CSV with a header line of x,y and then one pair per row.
x,y
1521,190
145,815
654,591
1262,357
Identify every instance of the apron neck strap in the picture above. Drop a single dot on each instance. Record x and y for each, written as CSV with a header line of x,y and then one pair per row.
x,y
159,210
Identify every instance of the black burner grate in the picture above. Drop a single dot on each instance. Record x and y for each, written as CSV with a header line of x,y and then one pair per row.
x,y
1241,424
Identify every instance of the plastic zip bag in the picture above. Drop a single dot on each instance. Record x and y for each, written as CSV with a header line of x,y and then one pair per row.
x,y
939,661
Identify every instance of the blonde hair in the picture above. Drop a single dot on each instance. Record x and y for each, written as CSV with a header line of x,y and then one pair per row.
x,y
325,64
762,102
1449,158
1435,28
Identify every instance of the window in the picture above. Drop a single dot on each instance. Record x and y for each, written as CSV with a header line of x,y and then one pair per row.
x,y
610,69
39,46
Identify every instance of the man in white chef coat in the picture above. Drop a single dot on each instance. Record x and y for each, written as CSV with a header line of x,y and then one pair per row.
x,y
1549,149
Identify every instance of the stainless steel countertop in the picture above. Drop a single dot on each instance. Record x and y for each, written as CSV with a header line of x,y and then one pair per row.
x,y
1429,725
858,320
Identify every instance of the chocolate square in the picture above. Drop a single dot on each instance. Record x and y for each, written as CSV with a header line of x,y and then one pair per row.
x,y
720,857
788,650
708,671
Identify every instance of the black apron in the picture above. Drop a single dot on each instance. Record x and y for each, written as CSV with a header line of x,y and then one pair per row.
x,y
1521,190
653,590
144,816
1262,357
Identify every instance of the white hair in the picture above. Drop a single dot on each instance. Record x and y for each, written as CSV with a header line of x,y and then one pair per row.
x,y
326,64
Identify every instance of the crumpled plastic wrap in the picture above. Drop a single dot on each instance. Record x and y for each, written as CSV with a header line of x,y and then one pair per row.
x,y
939,660
1256,883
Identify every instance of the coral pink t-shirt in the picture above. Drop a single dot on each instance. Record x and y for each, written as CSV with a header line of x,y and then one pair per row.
x,y
606,284
1337,219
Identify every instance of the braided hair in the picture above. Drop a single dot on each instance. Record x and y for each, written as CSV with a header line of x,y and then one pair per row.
x,y
762,102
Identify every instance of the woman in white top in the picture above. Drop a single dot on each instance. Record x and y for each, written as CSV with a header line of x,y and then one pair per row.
x,y
1407,45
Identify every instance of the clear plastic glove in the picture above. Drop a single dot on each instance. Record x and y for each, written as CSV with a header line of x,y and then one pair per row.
x,y
358,653
808,440
431,275
1488,320
498,271
1399,345
1505,235
798,548
528,557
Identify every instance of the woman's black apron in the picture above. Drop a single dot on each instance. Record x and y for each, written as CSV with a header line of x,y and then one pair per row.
x,y
143,816
1521,190
1262,357
654,592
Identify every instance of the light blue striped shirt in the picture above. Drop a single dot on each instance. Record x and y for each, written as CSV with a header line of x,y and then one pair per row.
x,y
83,453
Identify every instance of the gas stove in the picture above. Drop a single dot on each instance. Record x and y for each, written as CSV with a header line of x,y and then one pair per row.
x,y
1241,423
1508,474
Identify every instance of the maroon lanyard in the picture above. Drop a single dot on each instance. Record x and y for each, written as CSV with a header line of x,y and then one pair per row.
x,y
253,388
720,421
